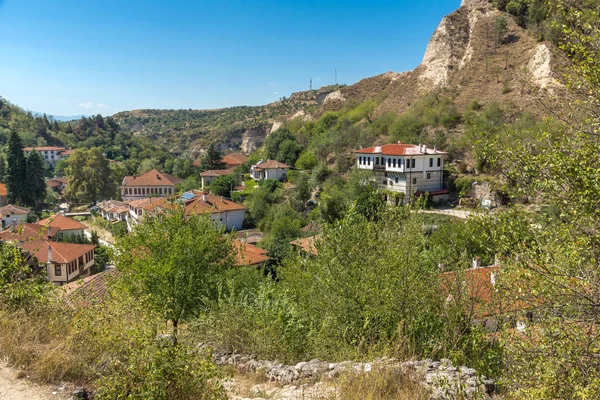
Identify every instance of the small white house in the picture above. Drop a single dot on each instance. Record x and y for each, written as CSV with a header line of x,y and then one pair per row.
x,y
270,169
13,215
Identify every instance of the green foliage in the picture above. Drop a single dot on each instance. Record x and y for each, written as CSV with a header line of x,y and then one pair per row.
x,y
89,177
212,159
16,176
224,185
176,261
36,183
282,146
500,29
283,225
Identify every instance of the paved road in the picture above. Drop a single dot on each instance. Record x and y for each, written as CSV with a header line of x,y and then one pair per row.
x,y
463,214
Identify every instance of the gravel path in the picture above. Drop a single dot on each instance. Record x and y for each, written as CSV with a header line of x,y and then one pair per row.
x,y
12,388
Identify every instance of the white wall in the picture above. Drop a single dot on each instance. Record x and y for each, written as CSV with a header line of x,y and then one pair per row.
x,y
13,219
230,219
276,173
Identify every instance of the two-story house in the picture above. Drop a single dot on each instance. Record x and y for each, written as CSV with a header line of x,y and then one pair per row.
x,y
405,169
150,184
113,210
13,215
51,154
66,227
269,169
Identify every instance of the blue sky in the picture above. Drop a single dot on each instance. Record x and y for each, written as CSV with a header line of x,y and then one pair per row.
x,y
69,57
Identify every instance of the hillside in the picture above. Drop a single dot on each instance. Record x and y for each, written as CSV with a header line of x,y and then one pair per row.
x,y
463,60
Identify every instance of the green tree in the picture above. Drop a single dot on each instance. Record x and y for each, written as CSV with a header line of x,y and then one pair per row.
x,y
2,168
224,185
88,175
306,160
211,159
500,29
16,174
36,183
175,263
60,168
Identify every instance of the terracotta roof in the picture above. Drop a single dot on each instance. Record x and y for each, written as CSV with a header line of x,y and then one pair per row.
x,y
15,210
197,162
62,252
89,290
307,244
399,149
61,180
271,164
217,172
148,204
209,203
113,206
3,191
66,152
27,231
151,178
45,148
476,284
234,159
248,254
53,184
63,223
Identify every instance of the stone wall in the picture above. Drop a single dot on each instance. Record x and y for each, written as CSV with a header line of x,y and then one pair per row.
x,y
441,378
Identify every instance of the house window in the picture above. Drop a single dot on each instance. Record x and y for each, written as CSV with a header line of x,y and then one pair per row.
x,y
401,162
376,160
396,179
57,270
389,162
431,162
439,162
413,162
384,182
414,181
394,163
428,175
139,212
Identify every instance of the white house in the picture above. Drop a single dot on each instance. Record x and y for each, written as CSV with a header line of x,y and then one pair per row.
x,y
208,176
13,215
113,210
406,169
66,227
269,170
150,184
50,154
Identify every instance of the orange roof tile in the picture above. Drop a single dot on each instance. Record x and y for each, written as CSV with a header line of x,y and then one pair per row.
x,y
217,172
89,290
14,210
234,159
209,203
3,191
63,223
307,244
27,231
151,178
271,164
399,149
45,148
62,252
248,254
149,203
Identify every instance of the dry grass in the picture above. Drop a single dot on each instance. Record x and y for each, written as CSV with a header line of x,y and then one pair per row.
x,y
390,384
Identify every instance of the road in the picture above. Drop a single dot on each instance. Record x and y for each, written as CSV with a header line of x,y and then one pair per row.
x,y
463,214
12,388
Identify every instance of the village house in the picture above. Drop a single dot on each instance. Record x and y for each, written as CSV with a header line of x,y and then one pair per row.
x,y
66,227
150,184
51,154
64,262
249,255
113,210
57,184
208,176
230,161
269,170
13,215
406,169
307,245
3,195
223,211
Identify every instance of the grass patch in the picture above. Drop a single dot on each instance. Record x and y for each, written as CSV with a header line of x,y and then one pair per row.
x,y
390,384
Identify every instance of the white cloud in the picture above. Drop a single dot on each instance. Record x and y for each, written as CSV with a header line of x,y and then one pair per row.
x,y
90,104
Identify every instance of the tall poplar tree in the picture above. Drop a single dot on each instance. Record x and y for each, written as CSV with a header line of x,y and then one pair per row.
x,y
36,184
16,173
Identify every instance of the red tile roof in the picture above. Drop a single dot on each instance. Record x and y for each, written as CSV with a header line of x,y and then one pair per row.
x,y
3,191
152,178
248,254
14,210
399,149
209,203
474,283
89,290
62,252
234,159
148,203
53,183
63,223
217,172
45,148
271,164
27,231
307,244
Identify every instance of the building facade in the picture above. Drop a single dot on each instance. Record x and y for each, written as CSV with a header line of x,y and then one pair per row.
x,y
405,169
151,184
13,215
269,169
50,154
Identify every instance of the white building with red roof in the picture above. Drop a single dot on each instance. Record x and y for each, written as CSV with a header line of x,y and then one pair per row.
x,y
66,227
50,154
13,215
269,169
150,184
406,169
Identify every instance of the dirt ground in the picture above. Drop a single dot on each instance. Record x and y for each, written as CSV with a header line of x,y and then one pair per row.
x,y
13,388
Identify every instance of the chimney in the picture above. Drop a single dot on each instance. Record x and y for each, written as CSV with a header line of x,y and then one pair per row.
x,y
204,198
49,254
424,148
476,262
434,148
